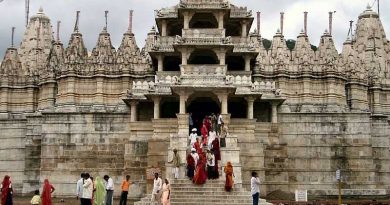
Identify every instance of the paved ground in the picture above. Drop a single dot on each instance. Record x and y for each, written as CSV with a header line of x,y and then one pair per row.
x,y
67,201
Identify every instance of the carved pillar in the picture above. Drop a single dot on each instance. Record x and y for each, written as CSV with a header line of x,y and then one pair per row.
x,y
247,63
244,29
223,97
274,112
133,110
164,28
250,101
220,20
186,20
156,101
160,60
183,99
184,54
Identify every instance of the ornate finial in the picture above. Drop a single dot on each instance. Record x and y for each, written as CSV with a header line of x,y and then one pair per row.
x,y
40,11
368,6
278,31
281,22
12,37
106,17
58,30
131,21
76,25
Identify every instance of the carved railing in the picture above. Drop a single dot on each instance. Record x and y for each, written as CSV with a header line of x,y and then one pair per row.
x,y
203,70
241,12
239,80
204,4
202,41
264,86
166,13
163,44
203,33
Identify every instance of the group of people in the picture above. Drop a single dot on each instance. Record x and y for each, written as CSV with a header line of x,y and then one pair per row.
x,y
100,192
203,160
161,191
44,198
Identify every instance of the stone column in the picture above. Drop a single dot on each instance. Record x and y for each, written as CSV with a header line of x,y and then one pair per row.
x,y
160,63
133,111
274,112
247,63
156,101
184,54
222,58
186,20
220,20
164,28
183,99
224,103
244,29
250,101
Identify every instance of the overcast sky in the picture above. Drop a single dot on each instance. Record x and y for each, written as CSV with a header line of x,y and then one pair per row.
x,y
12,13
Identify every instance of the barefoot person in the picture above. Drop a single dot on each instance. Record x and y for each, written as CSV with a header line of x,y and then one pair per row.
x,y
229,176
157,185
46,193
166,193
6,191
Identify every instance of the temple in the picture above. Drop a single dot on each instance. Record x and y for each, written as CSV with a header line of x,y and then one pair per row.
x,y
295,115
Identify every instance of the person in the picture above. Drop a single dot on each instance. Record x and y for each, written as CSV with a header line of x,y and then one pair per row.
x,y
176,161
229,176
220,121
166,193
214,122
109,189
125,190
93,189
79,187
157,185
217,151
210,165
36,200
190,164
100,192
195,155
224,133
193,136
198,146
207,122
211,138
200,176
255,189
46,192
87,190
204,132
6,191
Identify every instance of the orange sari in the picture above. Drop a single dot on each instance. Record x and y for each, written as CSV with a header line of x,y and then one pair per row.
x,y
229,176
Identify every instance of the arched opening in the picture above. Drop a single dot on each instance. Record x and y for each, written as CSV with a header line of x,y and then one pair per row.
x,y
169,107
237,107
202,104
235,63
203,20
203,56
172,63
262,111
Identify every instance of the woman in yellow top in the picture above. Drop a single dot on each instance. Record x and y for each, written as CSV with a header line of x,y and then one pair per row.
x,y
36,200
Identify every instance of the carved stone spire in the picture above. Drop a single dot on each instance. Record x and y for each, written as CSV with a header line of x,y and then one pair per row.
x,y
103,52
303,55
76,52
279,53
11,64
327,54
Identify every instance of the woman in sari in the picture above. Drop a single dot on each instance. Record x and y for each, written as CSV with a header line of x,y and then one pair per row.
x,y
200,173
6,191
229,176
166,193
46,193
198,146
204,131
100,192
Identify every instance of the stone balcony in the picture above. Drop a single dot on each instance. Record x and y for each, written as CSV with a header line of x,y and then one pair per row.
x,y
203,70
204,4
199,41
204,33
163,44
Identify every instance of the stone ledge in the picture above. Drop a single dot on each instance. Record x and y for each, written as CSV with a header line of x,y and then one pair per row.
x,y
349,192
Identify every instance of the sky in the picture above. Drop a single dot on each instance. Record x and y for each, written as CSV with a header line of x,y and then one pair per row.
x,y
12,14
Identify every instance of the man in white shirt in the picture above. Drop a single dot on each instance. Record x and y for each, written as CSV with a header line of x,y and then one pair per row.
x,y
193,137
220,121
211,165
195,156
87,190
109,189
255,188
157,185
79,188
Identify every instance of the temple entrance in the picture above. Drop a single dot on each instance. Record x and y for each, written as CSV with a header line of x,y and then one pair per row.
x,y
202,104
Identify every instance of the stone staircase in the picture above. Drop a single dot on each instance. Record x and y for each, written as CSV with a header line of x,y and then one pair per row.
x,y
184,192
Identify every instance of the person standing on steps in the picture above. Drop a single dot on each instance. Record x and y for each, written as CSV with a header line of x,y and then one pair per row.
x,y
204,131
214,122
157,185
190,121
255,188
190,164
166,193
219,122
176,161
229,177
210,165
109,189
125,190
193,136
223,134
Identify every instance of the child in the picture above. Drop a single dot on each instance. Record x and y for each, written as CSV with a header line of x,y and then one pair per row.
x,y
36,200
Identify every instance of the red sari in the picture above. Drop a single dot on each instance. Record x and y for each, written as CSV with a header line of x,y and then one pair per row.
x,y
46,193
198,147
200,173
216,148
204,131
229,177
190,166
6,197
